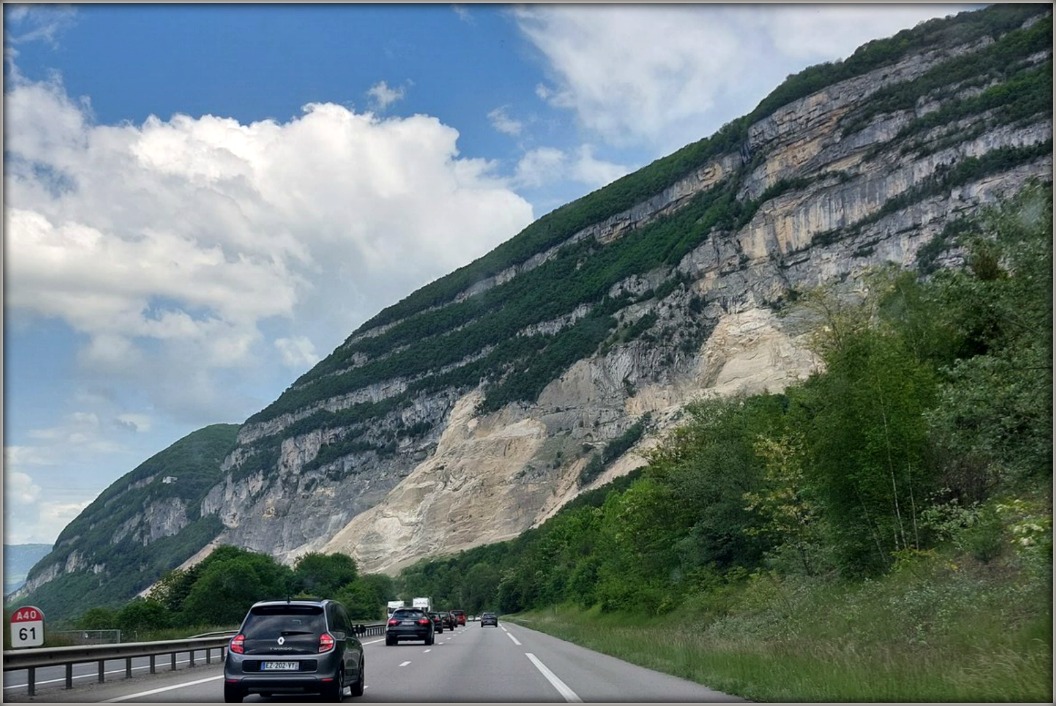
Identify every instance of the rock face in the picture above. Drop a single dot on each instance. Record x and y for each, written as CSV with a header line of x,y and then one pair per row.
x,y
397,465
478,478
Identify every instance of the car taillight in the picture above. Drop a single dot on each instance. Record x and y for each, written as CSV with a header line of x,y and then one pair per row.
x,y
326,642
424,621
238,644
394,621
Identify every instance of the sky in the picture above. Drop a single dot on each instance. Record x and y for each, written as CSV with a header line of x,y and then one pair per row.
x,y
202,201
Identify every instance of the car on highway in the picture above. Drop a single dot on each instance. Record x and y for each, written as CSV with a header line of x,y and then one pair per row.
x,y
409,624
460,616
449,620
489,619
438,622
294,647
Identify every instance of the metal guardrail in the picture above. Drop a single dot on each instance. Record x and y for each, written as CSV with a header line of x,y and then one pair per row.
x,y
372,630
34,658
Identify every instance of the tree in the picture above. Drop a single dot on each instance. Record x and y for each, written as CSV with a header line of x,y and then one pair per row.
x,y
366,597
97,619
480,588
996,405
323,574
864,430
143,615
709,465
230,584
792,524
172,589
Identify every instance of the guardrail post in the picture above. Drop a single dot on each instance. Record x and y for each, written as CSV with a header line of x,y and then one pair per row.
x,y
152,660
69,675
208,655
102,670
190,658
173,655
32,674
128,667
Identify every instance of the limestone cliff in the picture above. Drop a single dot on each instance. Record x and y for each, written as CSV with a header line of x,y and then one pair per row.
x,y
466,413
852,200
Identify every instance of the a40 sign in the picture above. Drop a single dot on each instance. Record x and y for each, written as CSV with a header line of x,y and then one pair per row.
x,y
27,627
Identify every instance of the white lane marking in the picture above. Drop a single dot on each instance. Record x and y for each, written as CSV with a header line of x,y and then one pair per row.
x,y
164,688
569,695
510,635
405,664
428,650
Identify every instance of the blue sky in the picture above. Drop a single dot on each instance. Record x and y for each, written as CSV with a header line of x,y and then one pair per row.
x,y
202,201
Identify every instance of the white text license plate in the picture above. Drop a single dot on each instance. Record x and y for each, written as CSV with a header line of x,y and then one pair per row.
x,y
278,666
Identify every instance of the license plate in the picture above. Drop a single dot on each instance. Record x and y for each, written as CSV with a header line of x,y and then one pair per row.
x,y
408,622
278,666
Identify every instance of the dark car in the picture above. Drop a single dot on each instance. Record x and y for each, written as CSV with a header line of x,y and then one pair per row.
x,y
409,624
460,616
450,621
438,622
489,619
294,647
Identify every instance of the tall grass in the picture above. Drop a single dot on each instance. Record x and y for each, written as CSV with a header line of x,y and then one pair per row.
x,y
932,631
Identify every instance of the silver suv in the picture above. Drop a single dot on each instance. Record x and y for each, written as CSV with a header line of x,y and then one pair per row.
x,y
294,647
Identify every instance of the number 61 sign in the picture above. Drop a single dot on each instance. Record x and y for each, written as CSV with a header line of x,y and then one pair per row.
x,y
27,627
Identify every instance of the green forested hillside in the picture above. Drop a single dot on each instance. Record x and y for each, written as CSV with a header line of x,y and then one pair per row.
x,y
101,535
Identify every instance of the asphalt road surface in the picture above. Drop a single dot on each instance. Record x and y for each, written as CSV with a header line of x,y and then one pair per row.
x,y
472,664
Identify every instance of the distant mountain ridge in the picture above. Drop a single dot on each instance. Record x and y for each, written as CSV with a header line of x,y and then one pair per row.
x,y
18,560
483,402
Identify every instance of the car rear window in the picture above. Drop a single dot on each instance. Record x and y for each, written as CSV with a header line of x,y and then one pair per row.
x,y
408,614
266,622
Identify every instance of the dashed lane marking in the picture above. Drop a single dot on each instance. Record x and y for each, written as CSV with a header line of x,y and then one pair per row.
x,y
163,689
569,695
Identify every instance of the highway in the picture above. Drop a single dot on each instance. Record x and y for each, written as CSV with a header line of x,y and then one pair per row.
x,y
508,664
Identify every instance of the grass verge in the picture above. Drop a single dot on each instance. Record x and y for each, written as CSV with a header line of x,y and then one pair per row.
x,y
932,631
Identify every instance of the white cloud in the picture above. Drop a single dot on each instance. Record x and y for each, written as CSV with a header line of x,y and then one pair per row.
x,y
138,423
502,122
30,23
539,166
548,164
20,489
173,245
57,515
38,521
382,96
463,14
32,514
595,173
668,75
812,31
297,352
